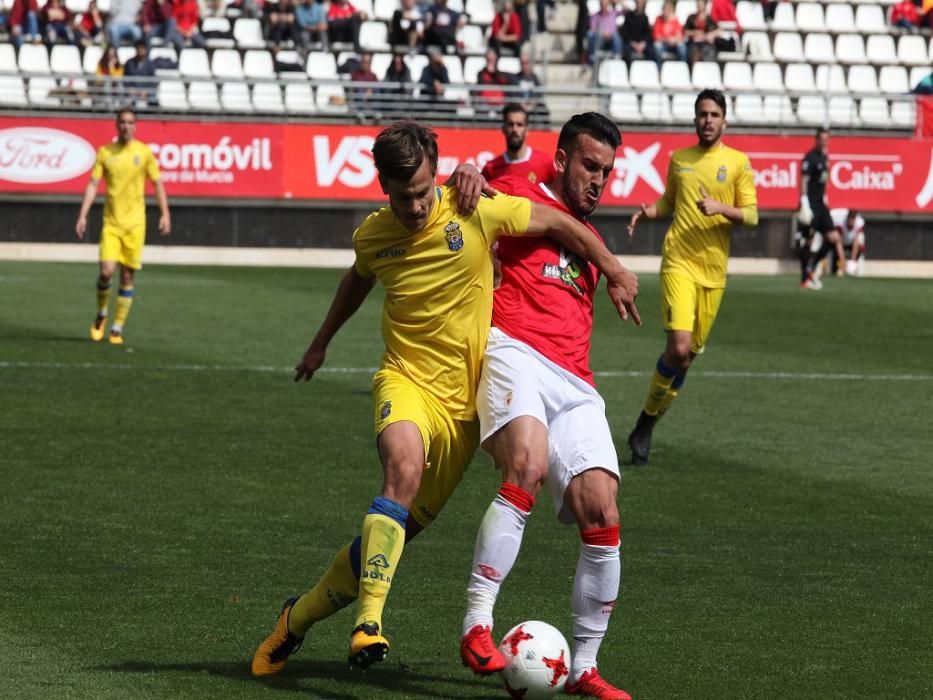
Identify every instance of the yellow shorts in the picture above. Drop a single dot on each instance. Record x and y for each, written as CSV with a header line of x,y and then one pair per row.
x,y
449,443
687,306
123,245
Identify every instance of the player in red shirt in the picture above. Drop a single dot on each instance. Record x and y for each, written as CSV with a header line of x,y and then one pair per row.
x,y
541,417
519,159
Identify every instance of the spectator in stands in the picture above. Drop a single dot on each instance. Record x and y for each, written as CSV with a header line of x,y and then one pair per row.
x,y
493,80
213,8
723,12
768,7
111,71
669,34
524,21
311,18
637,38
701,32
364,74
580,29
56,20
23,21
542,8
604,31
280,17
124,22
90,27
904,15
407,27
187,16
158,20
434,76
397,72
530,95
343,22
506,29
141,67
441,25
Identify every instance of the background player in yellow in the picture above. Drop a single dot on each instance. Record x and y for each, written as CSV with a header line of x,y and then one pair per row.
x,y
710,187
124,165
436,267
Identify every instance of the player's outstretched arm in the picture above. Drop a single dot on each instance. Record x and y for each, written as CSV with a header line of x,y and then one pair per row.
x,y
470,185
570,233
89,193
649,211
165,218
351,292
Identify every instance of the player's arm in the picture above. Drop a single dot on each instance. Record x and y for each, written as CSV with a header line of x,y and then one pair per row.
x,y
746,215
351,292
165,218
804,185
660,209
571,234
89,193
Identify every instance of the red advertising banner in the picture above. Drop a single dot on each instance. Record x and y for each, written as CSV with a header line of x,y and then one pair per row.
x,y
334,163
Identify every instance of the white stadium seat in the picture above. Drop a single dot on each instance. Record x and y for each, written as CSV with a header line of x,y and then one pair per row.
x,y
75,7
374,36
64,59
644,75
299,98
810,17
799,77
91,58
226,63
818,48
869,19
258,63
172,95
683,107
416,62
784,20
381,63
218,25
831,78
40,91
33,58
842,111
779,109
873,111
737,77
912,50
811,109
510,65
656,107
248,33
322,66
12,90
193,63
331,98
880,50
623,106
202,95
840,18
750,16
234,97
706,74
767,77
384,9
471,68
472,39
480,12
893,80
454,69
267,97
904,113
613,73
675,75
757,46
748,109
918,73
850,48
862,80
125,53
788,47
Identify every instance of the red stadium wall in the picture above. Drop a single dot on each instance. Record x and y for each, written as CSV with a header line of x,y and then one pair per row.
x,y
333,163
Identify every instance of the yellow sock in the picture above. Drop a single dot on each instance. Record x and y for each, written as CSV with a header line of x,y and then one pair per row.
x,y
335,590
103,297
383,542
124,302
660,386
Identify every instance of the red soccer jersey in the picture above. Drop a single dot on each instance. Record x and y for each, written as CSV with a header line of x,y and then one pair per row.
x,y
545,298
535,167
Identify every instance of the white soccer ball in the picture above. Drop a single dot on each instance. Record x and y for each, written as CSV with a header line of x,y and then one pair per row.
x,y
851,268
537,660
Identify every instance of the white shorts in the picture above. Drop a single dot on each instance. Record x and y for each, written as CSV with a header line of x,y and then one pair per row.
x,y
519,381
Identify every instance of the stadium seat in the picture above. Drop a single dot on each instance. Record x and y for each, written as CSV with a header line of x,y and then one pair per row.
x,y
381,63
799,77
683,9
912,50
613,73
656,107
873,111
840,18
248,33
267,97
40,90
172,95
784,20
416,64
767,77
810,17
831,78
510,65
818,48
374,36
811,109
202,95
850,48
683,107
454,69
737,77
748,109
12,89
193,63
331,98
904,113
869,19
75,7
295,58
64,59
623,106
322,66
234,96
226,63
384,9
219,25
7,57
842,111
33,58
366,6
644,75
481,12
125,53
472,39
675,75
706,74
299,98
880,50
788,47
258,63
893,80
757,46
652,9
750,16
162,52
862,80
918,73
778,109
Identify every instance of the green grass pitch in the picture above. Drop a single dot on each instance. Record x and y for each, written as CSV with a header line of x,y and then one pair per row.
x,y
159,501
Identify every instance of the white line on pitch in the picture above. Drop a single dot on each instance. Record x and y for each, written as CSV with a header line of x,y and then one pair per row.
x,y
850,376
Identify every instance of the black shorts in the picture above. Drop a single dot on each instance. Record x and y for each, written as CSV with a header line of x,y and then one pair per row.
x,y
822,220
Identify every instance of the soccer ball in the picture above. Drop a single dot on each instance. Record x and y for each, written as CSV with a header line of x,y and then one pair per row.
x,y
537,660
851,268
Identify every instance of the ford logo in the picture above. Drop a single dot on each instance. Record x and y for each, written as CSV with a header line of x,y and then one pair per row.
x,y
33,154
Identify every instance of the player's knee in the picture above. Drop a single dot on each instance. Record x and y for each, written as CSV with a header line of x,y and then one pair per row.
x,y
525,470
678,355
592,499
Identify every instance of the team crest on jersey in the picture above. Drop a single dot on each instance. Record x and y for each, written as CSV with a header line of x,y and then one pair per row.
x,y
454,236
721,174
386,410
532,178
508,399
136,161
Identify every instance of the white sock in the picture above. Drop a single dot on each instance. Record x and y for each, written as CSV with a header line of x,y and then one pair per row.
x,y
497,545
595,587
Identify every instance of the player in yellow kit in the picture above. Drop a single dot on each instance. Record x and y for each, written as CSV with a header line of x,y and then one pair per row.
x,y
436,267
125,165
710,187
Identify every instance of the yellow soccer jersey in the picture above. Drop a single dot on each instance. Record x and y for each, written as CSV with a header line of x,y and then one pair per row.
x,y
698,245
438,285
125,168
